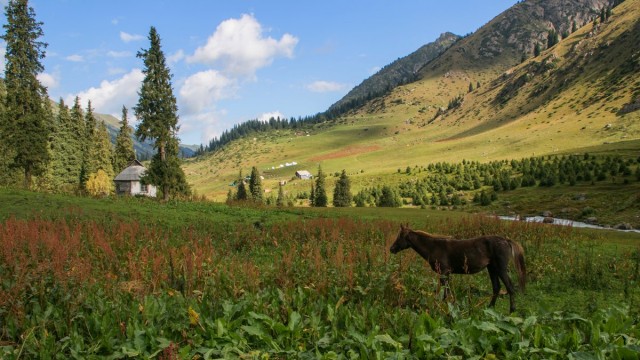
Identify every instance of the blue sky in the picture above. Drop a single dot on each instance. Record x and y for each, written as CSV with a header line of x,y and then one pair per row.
x,y
233,61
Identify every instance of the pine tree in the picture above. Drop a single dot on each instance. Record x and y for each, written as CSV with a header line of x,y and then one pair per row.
x,y
123,153
61,177
104,150
255,185
280,200
552,38
79,140
157,111
342,192
241,195
320,197
312,196
24,129
89,161
536,50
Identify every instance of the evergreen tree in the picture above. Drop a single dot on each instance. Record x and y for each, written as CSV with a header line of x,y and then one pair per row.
x,y
80,143
255,185
470,86
342,192
312,196
104,150
552,38
24,129
241,195
89,160
389,198
157,111
123,153
64,152
536,50
574,26
280,200
320,197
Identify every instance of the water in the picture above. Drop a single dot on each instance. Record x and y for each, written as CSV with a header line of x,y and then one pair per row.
x,y
565,222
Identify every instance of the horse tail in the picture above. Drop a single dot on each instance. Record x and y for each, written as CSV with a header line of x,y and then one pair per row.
x,y
518,259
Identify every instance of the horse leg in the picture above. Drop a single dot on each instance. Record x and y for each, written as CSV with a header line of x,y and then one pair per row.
x,y
495,283
509,285
444,283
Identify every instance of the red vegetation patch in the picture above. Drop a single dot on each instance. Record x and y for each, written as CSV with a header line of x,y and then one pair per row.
x,y
347,151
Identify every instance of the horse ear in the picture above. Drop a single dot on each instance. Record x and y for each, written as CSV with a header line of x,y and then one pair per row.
x,y
401,226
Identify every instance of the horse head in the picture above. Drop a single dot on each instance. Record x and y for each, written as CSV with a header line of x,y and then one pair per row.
x,y
401,242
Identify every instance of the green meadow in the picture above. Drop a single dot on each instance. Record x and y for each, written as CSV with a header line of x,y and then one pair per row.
x,y
132,278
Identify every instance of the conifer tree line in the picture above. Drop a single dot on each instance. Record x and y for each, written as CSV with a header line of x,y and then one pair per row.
x,y
446,184
65,149
249,189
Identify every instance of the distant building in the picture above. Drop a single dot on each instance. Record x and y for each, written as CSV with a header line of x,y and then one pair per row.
x,y
303,174
128,181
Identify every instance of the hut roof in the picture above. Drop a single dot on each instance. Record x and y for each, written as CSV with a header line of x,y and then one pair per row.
x,y
133,172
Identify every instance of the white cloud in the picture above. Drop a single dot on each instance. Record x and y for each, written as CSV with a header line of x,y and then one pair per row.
x,y
48,80
322,86
175,57
75,58
241,48
268,115
118,54
126,37
201,90
110,96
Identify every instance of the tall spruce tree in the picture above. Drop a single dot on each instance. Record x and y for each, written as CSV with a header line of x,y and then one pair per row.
x,y
255,185
157,111
280,200
320,198
241,195
342,192
89,151
24,128
103,150
79,133
124,152
62,152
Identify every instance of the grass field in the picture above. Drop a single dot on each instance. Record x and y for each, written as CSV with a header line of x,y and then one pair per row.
x,y
133,278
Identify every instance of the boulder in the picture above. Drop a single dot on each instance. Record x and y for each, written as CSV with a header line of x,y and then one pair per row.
x,y
623,226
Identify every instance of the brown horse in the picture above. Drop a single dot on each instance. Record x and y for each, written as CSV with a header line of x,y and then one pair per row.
x,y
450,256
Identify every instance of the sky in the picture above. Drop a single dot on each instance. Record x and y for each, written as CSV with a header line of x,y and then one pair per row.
x,y
239,60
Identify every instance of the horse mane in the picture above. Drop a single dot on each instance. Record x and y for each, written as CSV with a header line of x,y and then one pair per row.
x,y
433,236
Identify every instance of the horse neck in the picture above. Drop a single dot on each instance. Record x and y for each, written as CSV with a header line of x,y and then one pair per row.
x,y
423,242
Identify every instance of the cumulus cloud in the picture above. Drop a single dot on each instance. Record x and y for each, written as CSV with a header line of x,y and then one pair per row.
x,y
240,46
110,96
126,37
75,58
322,86
48,80
268,115
202,90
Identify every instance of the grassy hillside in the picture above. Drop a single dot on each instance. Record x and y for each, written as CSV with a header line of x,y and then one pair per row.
x,y
571,101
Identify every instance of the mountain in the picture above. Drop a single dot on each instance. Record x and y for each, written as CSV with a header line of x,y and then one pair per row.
x,y
402,71
487,96
144,150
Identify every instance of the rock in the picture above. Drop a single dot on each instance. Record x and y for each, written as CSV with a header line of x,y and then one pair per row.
x,y
547,220
623,226
591,220
547,213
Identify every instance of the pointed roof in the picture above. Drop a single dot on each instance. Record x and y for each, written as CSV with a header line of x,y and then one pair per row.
x,y
133,172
